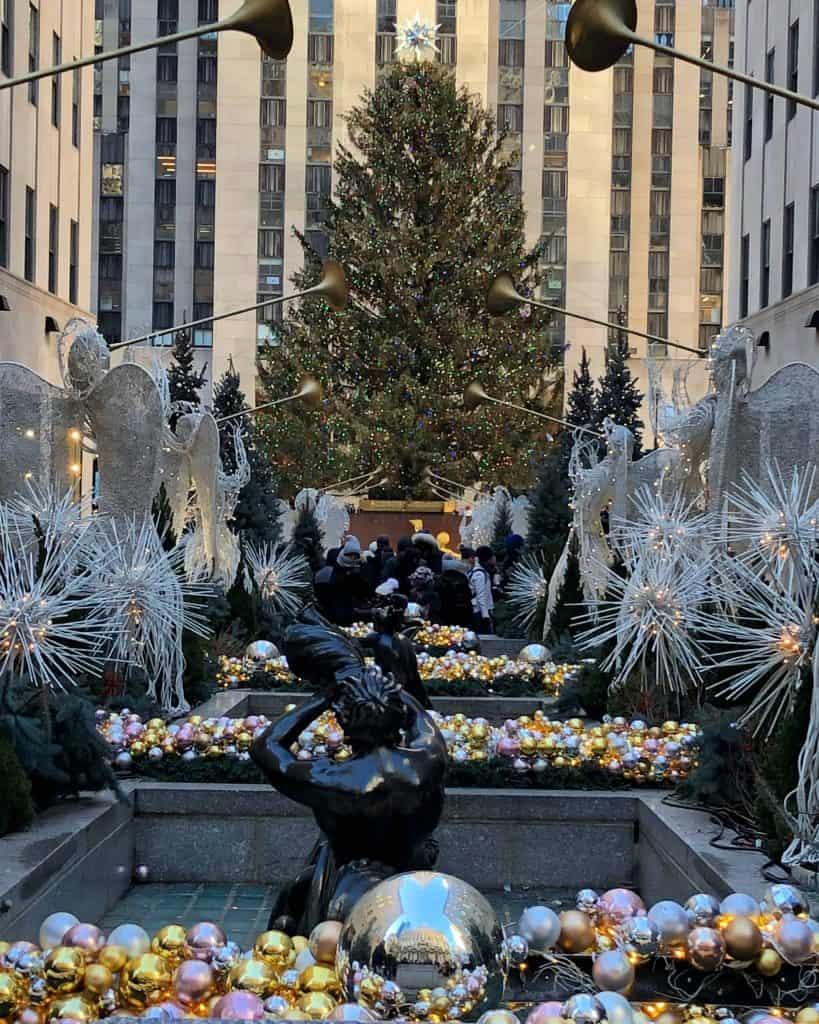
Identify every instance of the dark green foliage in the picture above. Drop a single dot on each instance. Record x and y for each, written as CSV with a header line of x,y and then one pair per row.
x,y
501,529
161,513
307,537
184,382
256,518
722,773
16,809
619,397
588,691
581,408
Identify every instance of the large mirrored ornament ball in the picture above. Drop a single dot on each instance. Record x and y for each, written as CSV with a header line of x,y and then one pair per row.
x,y
702,909
132,938
540,926
54,928
616,905
203,939
706,949
261,651
534,654
586,901
64,970
421,931
86,937
144,980
641,936
793,939
743,939
238,1005
323,942
584,1008
672,920
13,996
739,904
470,641
618,1008
515,950
498,1017
780,899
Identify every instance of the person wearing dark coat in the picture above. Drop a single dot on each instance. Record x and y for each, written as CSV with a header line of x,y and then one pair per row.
x,y
343,596
402,565
429,551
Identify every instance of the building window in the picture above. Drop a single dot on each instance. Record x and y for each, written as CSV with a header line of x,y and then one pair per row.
x,y
203,255
319,113
271,177
749,121
28,248
164,255
744,274
6,38
163,320
385,16
765,265
793,65
76,92
53,246
33,50
271,243
205,193
73,262
208,11
814,235
56,58
166,67
770,71
318,179
787,250
166,131
274,113
4,217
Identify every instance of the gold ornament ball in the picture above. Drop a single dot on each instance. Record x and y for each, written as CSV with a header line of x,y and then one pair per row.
x,y
324,941
319,978
29,1015
700,1020
144,980
4,948
316,1005
254,975
669,1017
768,963
274,948
13,996
576,931
300,943
113,957
64,970
298,1015
77,1007
98,979
808,1015
170,943
743,940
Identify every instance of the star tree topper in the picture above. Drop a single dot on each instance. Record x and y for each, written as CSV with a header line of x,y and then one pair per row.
x,y
416,36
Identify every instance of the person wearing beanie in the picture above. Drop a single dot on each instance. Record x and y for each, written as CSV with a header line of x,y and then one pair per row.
x,y
515,545
346,593
427,547
402,564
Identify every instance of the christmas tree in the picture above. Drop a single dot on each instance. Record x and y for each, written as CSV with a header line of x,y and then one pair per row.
x,y
424,217
256,517
618,396
581,406
184,382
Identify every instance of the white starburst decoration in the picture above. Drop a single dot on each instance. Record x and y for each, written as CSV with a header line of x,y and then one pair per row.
x,y
651,617
148,604
283,577
526,590
50,615
416,37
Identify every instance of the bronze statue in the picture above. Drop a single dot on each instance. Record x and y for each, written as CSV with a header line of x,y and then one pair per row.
x,y
393,652
378,809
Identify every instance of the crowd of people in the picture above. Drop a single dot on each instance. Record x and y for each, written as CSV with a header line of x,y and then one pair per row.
x,y
452,590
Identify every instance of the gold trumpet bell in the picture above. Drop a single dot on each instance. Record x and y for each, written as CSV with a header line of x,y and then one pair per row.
x,y
502,295
598,32
269,21
474,395
333,285
311,392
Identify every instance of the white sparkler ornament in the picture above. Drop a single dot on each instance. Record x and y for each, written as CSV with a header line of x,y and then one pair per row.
x,y
283,578
148,603
416,37
526,589
50,615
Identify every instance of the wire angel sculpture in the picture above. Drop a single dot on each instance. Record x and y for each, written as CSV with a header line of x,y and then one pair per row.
x,y
283,577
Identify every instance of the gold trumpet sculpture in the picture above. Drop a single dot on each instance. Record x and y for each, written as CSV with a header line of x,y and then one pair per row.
x,y
332,288
475,396
599,32
269,21
310,392
503,296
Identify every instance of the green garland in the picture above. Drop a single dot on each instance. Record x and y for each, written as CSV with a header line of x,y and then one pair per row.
x,y
469,775
503,686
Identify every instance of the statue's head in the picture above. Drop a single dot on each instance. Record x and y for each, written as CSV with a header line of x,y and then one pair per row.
x,y
729,357
369,709
88,359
